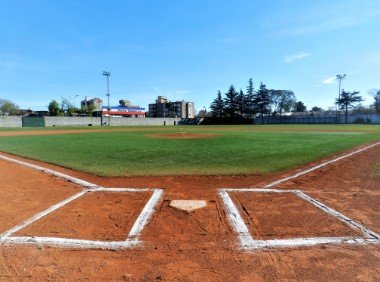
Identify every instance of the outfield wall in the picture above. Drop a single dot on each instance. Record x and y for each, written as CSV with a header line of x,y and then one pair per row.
x,y
117,121
368,118
113,121
72,121
10,121
319,119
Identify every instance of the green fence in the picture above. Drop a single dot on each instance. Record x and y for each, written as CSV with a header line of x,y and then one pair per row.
x,y
33,122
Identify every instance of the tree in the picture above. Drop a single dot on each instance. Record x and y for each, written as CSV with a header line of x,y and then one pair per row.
x,y
231,102
53,108
282,100
348,100
241,103
89,109
262,101
362,109
316,109
250,98
8,108
299,107
67,107
217,106
375,93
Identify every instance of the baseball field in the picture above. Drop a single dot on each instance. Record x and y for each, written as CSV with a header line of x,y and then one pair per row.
x,y
277,202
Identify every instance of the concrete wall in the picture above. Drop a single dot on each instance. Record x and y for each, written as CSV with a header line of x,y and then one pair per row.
x,y
15,121
114,121
72,121
373,118
10,121
117,121
295,120
331,119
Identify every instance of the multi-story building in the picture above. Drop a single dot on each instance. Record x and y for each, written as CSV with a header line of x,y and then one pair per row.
x,y
164,108
97,103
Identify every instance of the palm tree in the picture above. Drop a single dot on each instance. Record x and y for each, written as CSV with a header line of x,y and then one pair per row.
x,y
347,100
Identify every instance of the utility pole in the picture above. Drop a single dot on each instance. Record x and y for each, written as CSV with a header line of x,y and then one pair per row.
x,y
339,77
74,99
108,74
175,106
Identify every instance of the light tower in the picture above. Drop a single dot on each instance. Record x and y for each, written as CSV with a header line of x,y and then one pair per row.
x,y
339,77
74,99
108,74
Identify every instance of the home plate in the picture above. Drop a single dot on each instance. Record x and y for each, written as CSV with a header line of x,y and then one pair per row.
x,y
188,205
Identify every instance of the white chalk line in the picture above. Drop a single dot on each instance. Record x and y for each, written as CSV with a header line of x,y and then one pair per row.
x,y
319,166
52,172
248,243
132,238
120,190
307,242
72,243
353,224
131,241
144,216
41,215
236,219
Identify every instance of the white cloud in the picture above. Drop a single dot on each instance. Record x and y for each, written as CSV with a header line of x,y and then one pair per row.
x,y
329,80
291,58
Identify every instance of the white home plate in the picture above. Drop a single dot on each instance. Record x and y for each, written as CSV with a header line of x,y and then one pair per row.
x,y
188,205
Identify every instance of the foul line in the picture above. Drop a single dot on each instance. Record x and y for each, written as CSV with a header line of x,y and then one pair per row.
x,y
319,166
248,243
52,172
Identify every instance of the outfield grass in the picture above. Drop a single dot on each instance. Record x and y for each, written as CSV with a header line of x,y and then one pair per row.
x,y
235,149
275,127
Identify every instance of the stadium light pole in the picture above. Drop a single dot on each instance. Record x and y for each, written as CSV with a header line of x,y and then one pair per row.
x,y
339,77
107,74
74,99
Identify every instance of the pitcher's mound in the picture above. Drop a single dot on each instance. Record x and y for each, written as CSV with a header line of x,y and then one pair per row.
x,y
182,135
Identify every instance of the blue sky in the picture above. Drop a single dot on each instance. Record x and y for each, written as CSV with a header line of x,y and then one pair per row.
x,y
50,49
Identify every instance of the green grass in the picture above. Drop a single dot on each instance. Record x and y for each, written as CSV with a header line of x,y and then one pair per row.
x,y
282,127
235,150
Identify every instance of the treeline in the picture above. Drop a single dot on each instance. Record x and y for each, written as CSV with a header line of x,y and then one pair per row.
x,y
8,107
67,108
262,101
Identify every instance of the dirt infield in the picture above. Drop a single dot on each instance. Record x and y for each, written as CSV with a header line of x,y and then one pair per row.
x,y
283,216
200,245
95,216
21,195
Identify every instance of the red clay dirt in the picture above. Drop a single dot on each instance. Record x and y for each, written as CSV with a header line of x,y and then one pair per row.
x,y
285,216
25,192
104,216
201,245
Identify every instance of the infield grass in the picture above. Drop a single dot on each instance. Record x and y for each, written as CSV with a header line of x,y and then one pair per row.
x,y
235,149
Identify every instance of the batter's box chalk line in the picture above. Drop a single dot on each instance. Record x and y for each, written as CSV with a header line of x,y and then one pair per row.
x,y
132,239
247,242
246,239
